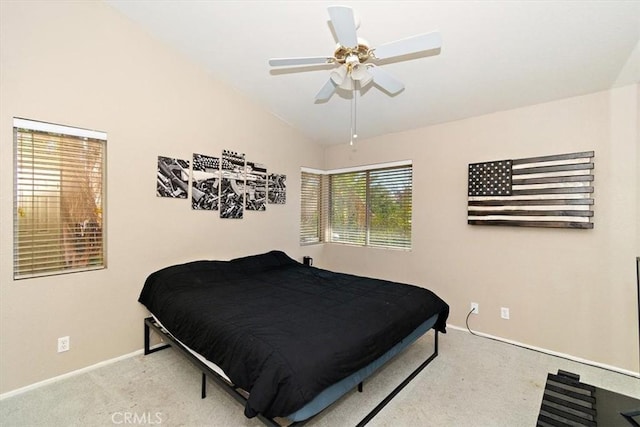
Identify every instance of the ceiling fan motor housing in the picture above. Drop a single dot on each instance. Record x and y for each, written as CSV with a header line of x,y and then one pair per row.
x,y
362,51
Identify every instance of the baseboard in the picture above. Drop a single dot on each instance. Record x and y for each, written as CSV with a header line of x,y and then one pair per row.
x,y
457,328
70,374
551,352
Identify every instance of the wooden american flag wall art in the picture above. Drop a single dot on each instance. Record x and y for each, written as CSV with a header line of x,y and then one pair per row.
x,y
548,191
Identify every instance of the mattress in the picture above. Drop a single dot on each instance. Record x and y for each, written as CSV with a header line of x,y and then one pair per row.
x,y
215,368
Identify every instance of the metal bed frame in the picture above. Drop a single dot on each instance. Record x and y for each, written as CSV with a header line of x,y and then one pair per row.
x,y
239,394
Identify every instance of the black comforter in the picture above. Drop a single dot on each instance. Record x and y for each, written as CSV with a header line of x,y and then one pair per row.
x,y
281,330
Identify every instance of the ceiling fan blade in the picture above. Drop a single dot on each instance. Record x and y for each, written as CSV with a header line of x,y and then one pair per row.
x,y
312,60
414,44
385,80
327,90
344,25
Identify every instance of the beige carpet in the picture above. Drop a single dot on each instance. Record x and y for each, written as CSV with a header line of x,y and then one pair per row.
x,y
474,381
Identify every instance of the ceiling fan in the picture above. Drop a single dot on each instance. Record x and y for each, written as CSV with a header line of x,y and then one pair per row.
x,y
356,60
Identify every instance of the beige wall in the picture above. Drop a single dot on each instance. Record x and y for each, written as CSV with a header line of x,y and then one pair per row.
x,y
569,291
82,64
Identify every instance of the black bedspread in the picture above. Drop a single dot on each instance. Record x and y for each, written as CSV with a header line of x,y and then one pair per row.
x,y
281,330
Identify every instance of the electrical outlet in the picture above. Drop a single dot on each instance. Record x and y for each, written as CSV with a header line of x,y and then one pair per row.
x,y
475,308
63,344
504,313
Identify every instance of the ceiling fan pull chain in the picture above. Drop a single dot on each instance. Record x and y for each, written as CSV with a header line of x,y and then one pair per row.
x,y
355,112
354,115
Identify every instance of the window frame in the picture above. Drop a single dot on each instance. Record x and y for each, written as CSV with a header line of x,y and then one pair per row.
x,y
54,160
327,193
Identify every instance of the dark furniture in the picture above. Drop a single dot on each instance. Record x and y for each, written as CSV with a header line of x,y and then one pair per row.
x,y
569,402
289,338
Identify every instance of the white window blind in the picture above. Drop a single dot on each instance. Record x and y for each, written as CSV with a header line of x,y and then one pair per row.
x,y
390,201
348,217
58,199
310,208
362,206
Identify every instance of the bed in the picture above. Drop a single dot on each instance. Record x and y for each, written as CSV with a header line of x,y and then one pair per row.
x,y
286,338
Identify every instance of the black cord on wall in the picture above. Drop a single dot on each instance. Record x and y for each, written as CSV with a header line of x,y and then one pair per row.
x,y
467,322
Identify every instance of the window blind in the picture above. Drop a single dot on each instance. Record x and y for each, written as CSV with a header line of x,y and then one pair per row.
x,y
310,209
390,202
366,206
58,199
348,198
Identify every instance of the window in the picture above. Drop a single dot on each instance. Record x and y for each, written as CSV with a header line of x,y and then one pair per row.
x,y
58,199
366,206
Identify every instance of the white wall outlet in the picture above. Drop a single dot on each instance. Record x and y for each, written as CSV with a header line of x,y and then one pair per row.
x,y
475,308
63,344
504,312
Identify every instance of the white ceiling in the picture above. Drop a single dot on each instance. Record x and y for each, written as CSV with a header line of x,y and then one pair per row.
x,y
496,55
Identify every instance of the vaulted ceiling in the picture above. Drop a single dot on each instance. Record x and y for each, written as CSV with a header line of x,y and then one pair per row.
x,y
495,55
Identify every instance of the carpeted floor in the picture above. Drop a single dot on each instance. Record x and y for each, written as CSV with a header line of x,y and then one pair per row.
x,y
474,381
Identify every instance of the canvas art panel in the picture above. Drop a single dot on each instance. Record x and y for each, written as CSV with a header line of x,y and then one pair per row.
x,y
205,183
232,185
172,178
277,189
255,187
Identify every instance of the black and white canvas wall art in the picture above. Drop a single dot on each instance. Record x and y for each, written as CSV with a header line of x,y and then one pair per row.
x,y
548,191
255,197
205,182
277,189
172,178
232,185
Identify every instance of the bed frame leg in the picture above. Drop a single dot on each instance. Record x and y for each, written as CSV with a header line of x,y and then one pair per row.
x,y
397,390
204,385
147,340
360,387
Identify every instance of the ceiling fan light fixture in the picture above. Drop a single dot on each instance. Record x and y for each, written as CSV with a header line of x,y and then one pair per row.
x,y
347,84
338,75
360,73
